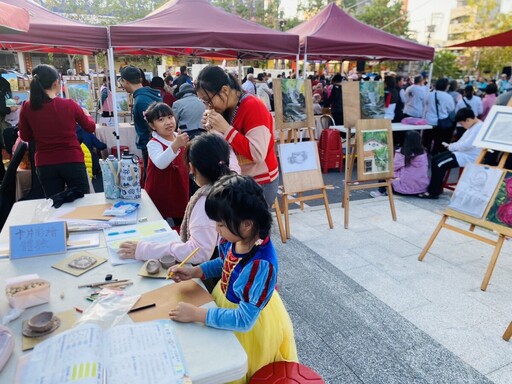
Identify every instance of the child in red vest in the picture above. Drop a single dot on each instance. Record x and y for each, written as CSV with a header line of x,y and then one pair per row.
x,y
167,180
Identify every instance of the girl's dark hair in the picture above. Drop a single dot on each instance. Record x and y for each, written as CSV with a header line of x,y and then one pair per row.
x,y
212,78
412,146
491,88
209,153
158,109
260,76
235,198
168,79
389,82
468,92
43,78
442,84
5,86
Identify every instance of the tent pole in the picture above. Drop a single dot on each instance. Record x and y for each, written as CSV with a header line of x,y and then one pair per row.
x,y
431,70
113,83
304,66
97,93
240,73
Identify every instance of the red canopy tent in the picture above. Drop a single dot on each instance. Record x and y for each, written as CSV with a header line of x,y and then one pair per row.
x,y
197,28
503,39
50,32
13,19
334,35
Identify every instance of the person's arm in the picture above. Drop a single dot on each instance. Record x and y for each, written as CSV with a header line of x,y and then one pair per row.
x,y
162,159
398,161
267,89
146,250
85,121
25,130
203,235
465,143
104,95
254,286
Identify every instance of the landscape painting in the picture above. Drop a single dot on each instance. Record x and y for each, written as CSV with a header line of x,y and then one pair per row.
x,y
375,151
122,103
294,100
80,91
501,209
372,99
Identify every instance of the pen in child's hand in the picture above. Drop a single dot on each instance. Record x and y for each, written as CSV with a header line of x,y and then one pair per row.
x,y
184,261
141,308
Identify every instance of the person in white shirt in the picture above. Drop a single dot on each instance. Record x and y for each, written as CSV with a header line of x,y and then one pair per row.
x,y
439,105
415,99
263,91
469,100
249,85
458,155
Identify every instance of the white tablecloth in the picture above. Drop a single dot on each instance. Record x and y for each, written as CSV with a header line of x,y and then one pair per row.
x,y
211,355
127,136
394,126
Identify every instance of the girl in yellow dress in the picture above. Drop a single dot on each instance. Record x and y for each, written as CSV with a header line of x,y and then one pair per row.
x,y
248,303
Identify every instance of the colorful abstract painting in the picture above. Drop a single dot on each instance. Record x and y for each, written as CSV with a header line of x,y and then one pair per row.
x,y
501,209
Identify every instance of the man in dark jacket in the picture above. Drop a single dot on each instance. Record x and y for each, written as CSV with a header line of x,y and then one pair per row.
x,y
181,79
131,81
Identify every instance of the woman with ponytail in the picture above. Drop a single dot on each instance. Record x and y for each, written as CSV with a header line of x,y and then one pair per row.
x,y
247,301
51,121
208,158
245,122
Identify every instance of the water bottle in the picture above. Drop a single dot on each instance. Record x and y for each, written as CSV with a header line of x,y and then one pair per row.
x,y
110,173
129,177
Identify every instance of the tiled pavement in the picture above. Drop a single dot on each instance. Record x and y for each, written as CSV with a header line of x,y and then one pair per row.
x,y
365,310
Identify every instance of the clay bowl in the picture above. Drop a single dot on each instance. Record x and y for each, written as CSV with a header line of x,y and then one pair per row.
x,y
167,261
41,322
153,266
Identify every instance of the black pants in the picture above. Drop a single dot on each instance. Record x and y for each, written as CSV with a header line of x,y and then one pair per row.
x,y
56,178
440,164
433,139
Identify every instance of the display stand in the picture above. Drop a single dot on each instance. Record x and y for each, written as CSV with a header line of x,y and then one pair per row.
x,y
356,147
473,222
298,181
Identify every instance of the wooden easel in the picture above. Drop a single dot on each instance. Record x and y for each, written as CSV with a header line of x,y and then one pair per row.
x,y
473,222
371,181
298,182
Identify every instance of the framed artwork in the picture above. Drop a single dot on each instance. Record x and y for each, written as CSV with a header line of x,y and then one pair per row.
x,y
122,102
495,132
475,189
12,78
80,91
374,146
298,157
372,99
500,211
20,96
293,93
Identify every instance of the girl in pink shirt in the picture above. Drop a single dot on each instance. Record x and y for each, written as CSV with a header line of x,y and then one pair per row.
x,y
489,100
208,157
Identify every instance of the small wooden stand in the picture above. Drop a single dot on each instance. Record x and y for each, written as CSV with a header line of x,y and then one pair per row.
x,y
508,332
305,181
355,148
501,230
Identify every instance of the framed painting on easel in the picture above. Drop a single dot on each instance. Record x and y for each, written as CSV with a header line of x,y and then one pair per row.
x,y
293,102
80,91
374,147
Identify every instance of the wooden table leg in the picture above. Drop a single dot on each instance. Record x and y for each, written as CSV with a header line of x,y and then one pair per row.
x,y
492,263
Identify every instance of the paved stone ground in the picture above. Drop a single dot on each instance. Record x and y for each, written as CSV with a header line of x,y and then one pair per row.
x,y
365,310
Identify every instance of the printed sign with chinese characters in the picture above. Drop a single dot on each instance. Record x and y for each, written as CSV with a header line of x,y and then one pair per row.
x,y
37,239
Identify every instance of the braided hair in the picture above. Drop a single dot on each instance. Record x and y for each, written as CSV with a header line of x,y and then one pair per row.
x,y
235,198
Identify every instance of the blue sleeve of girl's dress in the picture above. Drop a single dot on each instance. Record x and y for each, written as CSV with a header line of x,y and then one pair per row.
x,y
212,268
254,288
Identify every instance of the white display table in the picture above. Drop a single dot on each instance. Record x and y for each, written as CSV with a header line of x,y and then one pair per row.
x,y
211,355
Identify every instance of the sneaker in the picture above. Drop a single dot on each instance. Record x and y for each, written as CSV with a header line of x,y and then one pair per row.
x,y
376,194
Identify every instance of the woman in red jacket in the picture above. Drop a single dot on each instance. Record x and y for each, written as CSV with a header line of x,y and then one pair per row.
x,y
50,121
